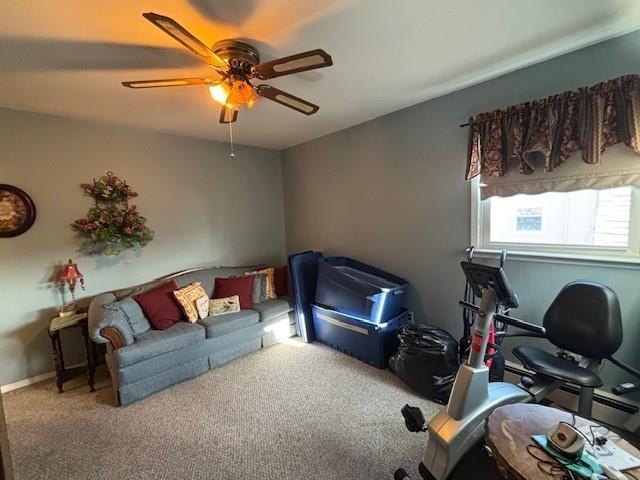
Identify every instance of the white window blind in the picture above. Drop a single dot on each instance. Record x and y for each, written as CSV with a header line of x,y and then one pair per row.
x,y
619,167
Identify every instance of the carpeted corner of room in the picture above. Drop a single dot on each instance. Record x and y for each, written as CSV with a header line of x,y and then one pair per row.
x,y
291,411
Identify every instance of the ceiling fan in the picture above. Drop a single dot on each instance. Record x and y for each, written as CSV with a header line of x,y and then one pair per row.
x,y
236,64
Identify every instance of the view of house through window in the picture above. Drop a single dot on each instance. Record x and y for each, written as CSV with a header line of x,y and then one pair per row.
x,y
598,218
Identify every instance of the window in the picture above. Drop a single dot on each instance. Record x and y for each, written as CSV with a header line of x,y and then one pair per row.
x,y
590,222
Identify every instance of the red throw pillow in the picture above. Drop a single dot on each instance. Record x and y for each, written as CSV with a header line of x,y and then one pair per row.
x,y
241,286
280,280
159,306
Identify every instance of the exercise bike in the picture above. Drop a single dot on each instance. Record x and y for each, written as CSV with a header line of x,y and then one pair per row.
x,y
454,431
584,319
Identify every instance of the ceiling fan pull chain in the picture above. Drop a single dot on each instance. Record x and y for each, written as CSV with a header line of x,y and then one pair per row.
x,y
231,154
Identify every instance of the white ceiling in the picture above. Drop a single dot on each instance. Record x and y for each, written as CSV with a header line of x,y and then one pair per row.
x,y
69,57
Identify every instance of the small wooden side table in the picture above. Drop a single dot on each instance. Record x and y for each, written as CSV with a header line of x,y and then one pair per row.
x,y
57,325
509,430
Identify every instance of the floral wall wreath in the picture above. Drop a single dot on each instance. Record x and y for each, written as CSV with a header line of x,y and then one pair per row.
x,y
111,226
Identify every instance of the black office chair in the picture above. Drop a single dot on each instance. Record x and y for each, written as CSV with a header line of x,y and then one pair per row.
x,y
584,319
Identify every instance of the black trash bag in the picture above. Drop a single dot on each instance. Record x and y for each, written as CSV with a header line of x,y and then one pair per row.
x,y
496,372
427,361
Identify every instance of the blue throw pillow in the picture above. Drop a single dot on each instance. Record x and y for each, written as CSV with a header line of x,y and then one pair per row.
x,y
133,314
259,293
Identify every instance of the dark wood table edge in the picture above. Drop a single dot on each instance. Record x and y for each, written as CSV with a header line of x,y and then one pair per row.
x,y
63,373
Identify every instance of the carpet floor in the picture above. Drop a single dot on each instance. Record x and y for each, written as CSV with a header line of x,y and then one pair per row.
x,y
292,411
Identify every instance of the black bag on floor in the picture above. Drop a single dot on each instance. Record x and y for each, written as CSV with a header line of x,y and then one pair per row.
x,y
427,361
496,372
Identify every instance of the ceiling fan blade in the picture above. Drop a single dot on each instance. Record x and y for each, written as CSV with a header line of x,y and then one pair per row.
x,y
177,31
293,64
169,82
228,115
286,99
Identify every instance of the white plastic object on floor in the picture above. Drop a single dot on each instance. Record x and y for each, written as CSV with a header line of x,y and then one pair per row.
x,y
613,473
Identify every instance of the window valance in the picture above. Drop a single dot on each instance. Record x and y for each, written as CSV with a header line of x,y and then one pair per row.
x,y
540,136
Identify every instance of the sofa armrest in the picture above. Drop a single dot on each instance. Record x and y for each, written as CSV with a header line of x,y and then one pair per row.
x,y
115,337
108,325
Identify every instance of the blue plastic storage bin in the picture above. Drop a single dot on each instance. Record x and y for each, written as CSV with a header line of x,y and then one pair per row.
x,y
370,342
359,290
303,271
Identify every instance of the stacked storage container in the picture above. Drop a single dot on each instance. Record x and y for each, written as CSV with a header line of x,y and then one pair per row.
x,y
358,309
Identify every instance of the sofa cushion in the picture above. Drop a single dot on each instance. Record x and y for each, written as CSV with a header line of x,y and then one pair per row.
x,y
273,308
241,286
132,312
158,342
160,306
229,322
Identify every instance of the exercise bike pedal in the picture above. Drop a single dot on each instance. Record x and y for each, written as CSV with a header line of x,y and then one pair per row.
x,y
527,382
413,419
401,474
487,450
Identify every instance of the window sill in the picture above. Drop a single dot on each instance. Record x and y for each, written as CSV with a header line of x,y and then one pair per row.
x,y
560,258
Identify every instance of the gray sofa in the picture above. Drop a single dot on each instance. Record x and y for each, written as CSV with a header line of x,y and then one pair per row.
x,y
156,359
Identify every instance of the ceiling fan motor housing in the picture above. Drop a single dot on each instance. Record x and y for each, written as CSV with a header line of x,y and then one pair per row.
x,y
238,55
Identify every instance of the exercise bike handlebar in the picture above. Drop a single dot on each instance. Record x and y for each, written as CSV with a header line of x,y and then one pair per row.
x,y
537,330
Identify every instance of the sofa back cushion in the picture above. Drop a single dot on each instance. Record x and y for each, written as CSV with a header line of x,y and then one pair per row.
x,y
241,286
160,306
207,276
132,313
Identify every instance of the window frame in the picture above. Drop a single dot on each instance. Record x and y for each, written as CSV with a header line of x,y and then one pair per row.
x,y
480,218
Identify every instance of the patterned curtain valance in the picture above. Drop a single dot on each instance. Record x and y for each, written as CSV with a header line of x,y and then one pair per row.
x,y
546,132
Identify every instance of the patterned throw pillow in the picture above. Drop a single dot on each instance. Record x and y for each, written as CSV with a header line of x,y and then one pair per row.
x,y
221,306
270,283
187,297
202,305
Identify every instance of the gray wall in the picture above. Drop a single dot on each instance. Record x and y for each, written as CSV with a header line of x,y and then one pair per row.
x,y
391,192
205,208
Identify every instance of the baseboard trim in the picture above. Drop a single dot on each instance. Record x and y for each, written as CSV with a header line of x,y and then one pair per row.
x,y
9,387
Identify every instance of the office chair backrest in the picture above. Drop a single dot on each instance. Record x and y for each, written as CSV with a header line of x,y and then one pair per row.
x,y
585,319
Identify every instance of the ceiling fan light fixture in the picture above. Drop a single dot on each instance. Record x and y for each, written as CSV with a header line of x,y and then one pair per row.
x,y
220,92
234,93
242,93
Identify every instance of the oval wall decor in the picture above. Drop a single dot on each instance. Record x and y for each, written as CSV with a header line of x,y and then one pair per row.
x,y
17,211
